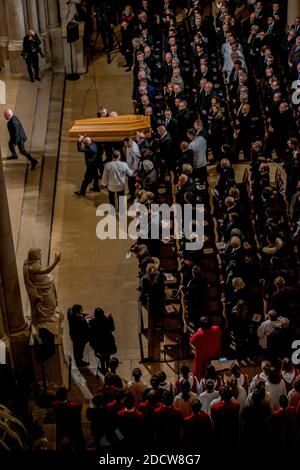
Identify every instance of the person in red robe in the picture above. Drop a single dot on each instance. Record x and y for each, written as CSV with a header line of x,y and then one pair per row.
x,y
207,341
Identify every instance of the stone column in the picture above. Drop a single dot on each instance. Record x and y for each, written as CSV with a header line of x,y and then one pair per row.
x,y
4,326
13,323
16,26
3,36
33,17
43,29
55,33
8,266
53,13
293,11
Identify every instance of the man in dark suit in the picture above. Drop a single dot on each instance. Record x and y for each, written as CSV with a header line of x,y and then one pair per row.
x,y
79,333
30,52
243,132
185,119
165,146
90,151
17,138
170,123
166,68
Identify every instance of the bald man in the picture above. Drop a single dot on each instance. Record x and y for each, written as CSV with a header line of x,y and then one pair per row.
x,y
17,138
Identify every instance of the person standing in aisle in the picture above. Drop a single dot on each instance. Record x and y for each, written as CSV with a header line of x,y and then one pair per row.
x,y
90,150
17,138
30,53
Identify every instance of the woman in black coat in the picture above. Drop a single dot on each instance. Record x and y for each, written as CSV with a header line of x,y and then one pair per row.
x,y
101,338
79,333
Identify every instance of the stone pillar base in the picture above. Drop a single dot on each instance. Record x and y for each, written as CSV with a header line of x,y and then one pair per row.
x,y
4,53
17,64
19,346
56,370
46,47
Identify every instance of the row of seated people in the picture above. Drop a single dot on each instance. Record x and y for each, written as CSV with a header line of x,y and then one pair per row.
x,y
261,78
239,261
273,269
225,408
280,273
225,37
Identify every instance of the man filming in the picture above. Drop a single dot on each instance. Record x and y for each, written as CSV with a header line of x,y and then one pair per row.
x,y
105,18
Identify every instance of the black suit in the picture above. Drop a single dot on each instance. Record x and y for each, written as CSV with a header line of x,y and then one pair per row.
x,y
30,52
91,161
166,147
243,141
166,72
171,126
185,121
17,138
79,334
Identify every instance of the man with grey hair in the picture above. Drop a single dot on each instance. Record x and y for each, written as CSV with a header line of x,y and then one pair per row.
x,y
198,146
166,147
132,154
272,320
17,138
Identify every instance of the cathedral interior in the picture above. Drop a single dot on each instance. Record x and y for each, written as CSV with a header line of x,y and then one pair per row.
x,y
51,259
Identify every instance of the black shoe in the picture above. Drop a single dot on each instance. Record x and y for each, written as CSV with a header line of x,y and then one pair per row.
x,y
34,164
38,79
95,190
82,364
128,69
12,157
32,79
78,193
125,65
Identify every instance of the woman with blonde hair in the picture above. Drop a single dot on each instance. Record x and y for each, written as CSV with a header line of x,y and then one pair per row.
x,y
215,122
238,320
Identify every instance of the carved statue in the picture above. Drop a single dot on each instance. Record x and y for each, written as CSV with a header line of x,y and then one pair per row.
x,y
41,292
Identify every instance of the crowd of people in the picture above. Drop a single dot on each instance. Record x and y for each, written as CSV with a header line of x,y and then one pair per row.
x,y
226,410
220,84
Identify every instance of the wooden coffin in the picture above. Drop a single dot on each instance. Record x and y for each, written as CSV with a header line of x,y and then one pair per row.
x,y
110,129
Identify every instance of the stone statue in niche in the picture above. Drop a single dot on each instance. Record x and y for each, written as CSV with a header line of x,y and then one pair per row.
x,y
42,293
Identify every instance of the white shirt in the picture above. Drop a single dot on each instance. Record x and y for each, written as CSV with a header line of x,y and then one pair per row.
x,y
185,407
133,156
206,399
114,175
276,390
262,377
268,326
198,145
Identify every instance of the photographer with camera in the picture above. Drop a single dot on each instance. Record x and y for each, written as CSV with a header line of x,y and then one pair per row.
x,y
30,53
105,19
